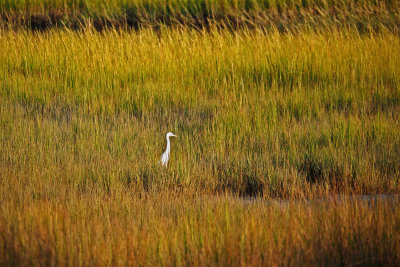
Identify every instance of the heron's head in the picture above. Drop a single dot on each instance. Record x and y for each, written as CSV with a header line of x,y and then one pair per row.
x,y
170,134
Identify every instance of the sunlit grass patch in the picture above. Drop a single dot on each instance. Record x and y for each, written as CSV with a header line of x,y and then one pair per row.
x,y
286,108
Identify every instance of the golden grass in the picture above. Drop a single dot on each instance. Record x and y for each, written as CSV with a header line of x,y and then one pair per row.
x,y
83,117
254,113
173,229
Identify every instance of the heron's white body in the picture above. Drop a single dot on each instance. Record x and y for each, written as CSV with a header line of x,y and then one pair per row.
x,y
165,155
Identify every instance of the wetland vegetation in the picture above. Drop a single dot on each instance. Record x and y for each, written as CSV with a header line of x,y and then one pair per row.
x,y
270,100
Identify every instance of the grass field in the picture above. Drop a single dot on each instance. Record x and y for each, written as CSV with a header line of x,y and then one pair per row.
x,y
174,229
285,15
261,115
255,114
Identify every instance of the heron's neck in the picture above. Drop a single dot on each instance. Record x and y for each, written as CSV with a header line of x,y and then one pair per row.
x,y
168,146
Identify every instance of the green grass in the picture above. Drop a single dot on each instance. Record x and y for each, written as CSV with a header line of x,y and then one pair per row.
x,y
286,15
254,113
83,117
172,6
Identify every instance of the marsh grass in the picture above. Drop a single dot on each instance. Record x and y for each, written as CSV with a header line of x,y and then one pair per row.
x,y
254,113
83,118
172,229
285,15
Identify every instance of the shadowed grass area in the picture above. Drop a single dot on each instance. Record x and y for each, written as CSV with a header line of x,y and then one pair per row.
x,y
284,15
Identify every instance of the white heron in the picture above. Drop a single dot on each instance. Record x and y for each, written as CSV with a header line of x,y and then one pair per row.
x,y
165,155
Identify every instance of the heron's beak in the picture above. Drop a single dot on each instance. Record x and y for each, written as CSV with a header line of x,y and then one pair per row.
x,y
174,135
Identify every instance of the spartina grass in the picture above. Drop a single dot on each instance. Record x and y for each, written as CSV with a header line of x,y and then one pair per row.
x,y
260,117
